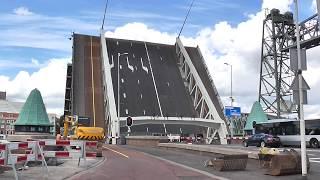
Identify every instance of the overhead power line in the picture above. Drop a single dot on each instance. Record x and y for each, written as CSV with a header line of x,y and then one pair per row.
x,y
185,19
104,15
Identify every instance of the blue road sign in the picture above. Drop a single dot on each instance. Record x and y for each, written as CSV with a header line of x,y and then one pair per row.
x,y
232,111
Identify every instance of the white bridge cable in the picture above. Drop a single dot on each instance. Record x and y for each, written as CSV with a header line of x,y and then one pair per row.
x,y
154,82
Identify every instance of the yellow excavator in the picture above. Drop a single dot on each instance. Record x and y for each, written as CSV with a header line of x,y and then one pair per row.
x,y
81,131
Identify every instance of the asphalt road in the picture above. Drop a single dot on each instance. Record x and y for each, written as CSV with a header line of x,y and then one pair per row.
x,y
125,163
252,172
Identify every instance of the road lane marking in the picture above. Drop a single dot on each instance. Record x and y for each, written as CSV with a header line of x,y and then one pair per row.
x,y
314,161
116,152
187,167
312,150
92,84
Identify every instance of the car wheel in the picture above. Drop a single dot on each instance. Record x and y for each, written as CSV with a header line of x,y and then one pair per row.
x,y
314,143
245,144
262,144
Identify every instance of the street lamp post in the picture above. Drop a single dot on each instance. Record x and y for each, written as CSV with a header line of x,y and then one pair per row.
x,y
118,123
231,97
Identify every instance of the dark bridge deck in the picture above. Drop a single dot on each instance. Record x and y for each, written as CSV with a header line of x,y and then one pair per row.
x,y
138,95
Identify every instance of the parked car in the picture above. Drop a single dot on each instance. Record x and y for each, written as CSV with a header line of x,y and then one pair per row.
x,y
262,140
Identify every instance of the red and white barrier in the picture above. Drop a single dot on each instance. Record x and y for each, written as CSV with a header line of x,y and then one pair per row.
x,y
80,151
34,151
3,154
31,150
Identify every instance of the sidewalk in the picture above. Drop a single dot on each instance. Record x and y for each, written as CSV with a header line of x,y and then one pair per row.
x,y
218,149
63,171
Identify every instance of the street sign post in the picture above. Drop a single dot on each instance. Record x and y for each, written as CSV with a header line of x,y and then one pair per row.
x,y
230,113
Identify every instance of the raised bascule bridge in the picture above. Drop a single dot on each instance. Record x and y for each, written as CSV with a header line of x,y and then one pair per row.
x,y
165,89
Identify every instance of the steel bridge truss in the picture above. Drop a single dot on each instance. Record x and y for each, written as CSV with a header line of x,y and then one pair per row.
x,y
202,102
276,77
275,74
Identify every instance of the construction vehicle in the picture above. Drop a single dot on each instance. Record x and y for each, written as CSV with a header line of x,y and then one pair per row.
x,y
81,130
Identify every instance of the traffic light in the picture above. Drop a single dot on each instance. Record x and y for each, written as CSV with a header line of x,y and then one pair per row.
x,y
254,124
129,121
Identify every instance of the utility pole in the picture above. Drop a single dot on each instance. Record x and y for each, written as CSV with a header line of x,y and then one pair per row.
x,y
301,113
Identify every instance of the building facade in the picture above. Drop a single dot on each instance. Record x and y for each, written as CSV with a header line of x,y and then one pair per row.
x,y
9,113
7,121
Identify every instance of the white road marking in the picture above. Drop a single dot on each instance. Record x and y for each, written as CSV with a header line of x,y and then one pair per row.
x,y
112,63
313,150
129,66
187,167
154,81
116,152
314,158
314,161
144,67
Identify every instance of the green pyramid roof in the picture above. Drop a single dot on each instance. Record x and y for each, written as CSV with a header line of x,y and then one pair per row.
x,y
33,111
257,114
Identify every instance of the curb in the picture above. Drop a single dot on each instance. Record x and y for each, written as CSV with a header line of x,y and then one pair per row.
x,y
85,170
206,149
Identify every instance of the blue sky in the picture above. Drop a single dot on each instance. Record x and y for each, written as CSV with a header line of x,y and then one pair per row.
x,y
56,19
34,34
164,15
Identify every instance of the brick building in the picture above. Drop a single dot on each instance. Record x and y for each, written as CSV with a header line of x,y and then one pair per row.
x,y
9,113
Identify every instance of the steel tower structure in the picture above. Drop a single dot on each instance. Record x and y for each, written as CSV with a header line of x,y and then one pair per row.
x,y
276,77
275,74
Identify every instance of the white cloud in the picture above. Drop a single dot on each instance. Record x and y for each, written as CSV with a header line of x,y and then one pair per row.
x,y
23,28
314,6
238,45
140,31
22,11
282,5
7,64
50,80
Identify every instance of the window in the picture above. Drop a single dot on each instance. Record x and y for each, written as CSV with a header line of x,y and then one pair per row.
x,y
2,126
32,129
